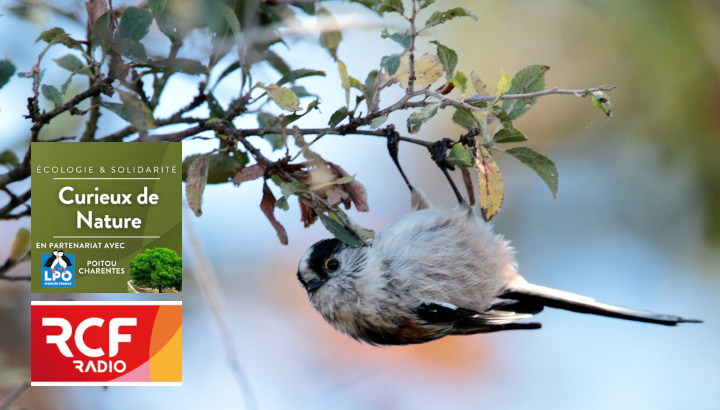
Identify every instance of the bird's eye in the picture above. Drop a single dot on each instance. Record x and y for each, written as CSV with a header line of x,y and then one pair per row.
x,y
332,264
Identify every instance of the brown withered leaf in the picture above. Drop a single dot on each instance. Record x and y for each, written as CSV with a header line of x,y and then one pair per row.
x,y
307,212
195,182
491,184
445,88
254,171
322,180
95,9
267,205
355,189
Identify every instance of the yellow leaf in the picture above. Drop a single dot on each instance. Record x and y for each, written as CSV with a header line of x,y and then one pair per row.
x,y
21,244
139,113
342,69
428,69
502,87
491,184
284,97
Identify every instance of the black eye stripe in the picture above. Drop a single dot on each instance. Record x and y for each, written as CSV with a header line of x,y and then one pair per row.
x,y
321,252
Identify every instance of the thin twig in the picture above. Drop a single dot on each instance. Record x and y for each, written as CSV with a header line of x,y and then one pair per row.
x,y
411,57
14,395
207,280
11,263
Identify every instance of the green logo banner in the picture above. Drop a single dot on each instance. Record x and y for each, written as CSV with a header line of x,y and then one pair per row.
x,y
106,217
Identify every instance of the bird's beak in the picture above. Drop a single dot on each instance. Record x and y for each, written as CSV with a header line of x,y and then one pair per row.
x,y
314,284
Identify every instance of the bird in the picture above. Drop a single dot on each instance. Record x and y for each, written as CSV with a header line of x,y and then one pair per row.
x,y
58,258
434,273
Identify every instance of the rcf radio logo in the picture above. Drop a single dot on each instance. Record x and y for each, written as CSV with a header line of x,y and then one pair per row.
x,y
58,270
106,343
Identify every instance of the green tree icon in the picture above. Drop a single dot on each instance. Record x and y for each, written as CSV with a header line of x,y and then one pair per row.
x,y
157,268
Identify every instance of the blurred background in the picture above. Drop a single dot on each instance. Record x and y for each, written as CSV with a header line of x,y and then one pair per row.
x,y
636,223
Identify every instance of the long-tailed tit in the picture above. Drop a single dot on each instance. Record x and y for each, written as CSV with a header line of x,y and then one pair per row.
x,y
430,274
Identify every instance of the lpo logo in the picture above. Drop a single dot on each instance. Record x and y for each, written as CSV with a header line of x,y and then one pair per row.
x,y
58,270
106,343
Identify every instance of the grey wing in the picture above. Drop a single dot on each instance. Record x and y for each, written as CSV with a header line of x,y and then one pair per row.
x,y
500,316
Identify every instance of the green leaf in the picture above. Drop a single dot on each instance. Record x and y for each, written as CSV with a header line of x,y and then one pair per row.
x,y
167,25
527,80
460,81
300,73
267,121
119,109
338,116
460,156
157,6
376,122
102,33
20,245
339,181
234,25
464,118
52,94
329,39
403,39
339,231
216,110
183,65
601,101
542,166
395,6
135,23
7,69
302,92
283,97
369,87
391,63
221,167
448,58
197,175
131,49
478,84
282,203
425,3
491,185
505,135
365,234
73,64
501,115
418,118
307,8
276,62
440,17
8,159
502,87
58,35
290,118
290,188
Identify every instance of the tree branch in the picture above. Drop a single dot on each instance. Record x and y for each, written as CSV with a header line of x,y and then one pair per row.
x,y
11,263
14,395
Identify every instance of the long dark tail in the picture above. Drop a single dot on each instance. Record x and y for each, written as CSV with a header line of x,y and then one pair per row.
x,y
527,292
